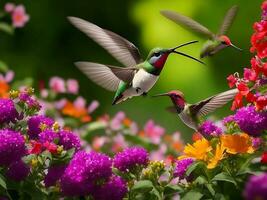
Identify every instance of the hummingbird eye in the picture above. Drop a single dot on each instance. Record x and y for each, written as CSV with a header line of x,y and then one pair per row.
x,y
157,54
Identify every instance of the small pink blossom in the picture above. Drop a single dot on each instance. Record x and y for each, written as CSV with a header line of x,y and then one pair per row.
x,y
93,106
9,7
79,102
60,104
19,16
9,76
116,122
98,142
153,131
44,93
72,86
57,84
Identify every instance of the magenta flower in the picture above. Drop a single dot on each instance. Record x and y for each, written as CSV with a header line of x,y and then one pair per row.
x,y
57,84
18,171
8,111
93,106
53,175
9,7
182,166
153,131
208,128
256,187
19,16
72,86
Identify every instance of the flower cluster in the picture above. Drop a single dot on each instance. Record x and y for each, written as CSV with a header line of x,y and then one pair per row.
x,y
18,14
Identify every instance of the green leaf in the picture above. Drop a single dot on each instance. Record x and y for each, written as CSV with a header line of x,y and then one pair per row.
x,y
142,186
224,177
192,195
25,82
3,66
6,28
2,182
210,188
201,180
172,189
193,167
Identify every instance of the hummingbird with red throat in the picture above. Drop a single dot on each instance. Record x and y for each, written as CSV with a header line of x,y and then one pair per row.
x,y
215,42
191,114
138,76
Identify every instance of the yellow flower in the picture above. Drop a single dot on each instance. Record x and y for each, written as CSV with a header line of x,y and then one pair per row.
x,y
238,143
219,155
198,150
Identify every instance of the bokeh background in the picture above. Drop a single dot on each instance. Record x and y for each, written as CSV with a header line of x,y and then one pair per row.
x,y
49,44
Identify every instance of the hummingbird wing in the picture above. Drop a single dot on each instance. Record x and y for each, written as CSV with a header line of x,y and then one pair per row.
x,y
187,23
228,20
120,48
106,76
210,104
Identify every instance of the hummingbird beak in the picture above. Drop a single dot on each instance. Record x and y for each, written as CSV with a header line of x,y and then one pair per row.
x,y
236,47
183,54
181,45
160,95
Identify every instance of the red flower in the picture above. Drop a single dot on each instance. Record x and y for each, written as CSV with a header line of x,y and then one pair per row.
x,y
36,147
231,80
250,74
243,88
264,158
51,147
261,102
237,103
251,97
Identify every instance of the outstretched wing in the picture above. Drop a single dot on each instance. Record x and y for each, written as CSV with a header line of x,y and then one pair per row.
x,y
123,50
228,20
106,76
210,104
187,23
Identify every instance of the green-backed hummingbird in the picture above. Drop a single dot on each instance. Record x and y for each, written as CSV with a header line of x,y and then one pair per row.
x,y
215,42
191,114
138,77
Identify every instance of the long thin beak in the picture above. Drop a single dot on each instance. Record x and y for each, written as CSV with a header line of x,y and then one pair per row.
x,y
236,47
182,45
159,95
183,54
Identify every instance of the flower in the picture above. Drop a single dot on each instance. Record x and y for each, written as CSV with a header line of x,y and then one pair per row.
x,y
57,84
9,7
51,147
12,146
153,131
181,167
72,86
130,158
8,111
117,120
48,136
4,87
231,80
238,143
93,106
251,121
69,140
114,189
79,103
256,187
19,16
29,100
54,174
219,155
18,170
208,128
264,158
35,123
198,150
36,147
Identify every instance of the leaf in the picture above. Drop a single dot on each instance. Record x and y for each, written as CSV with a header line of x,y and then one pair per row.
x,y
6,28
201,180
142,186
192,195
3,66
25,82
172,189
224,177
210,188
2,182
193,167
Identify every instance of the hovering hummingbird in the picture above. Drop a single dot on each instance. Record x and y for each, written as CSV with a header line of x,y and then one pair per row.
x,y
190,114
215,42
138,77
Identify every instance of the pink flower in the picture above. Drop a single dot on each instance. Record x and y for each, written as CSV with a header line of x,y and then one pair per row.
x,y
116,122
9,76
72,86
57,84
19,16
153,131
9,7
60,104
93,106
79,102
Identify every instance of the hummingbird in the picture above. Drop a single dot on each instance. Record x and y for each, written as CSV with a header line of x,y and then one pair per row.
x,y
215,42
191,114
138,76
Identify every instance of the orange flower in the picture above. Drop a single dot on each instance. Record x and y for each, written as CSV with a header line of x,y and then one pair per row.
x,y
127,122
238,143
80,113
219,155
198,150
4,88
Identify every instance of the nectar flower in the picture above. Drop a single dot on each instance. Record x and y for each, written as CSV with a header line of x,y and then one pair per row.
x,y
256,187
153,131
9,7
72,86
218,155
181,167
208,128
130,158
19,16
264,158
238,143
18,171
35,122
8,111
69,140
93,106
53,175
57,84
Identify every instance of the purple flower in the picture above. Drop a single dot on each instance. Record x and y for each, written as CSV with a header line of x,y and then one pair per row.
x,y
256,187
83,172
182,166
34,124
114,189
8,111
256,142
251,121
228,119
29,100
69,140
208,128
131,158
18,170
12,146
48,136
53,175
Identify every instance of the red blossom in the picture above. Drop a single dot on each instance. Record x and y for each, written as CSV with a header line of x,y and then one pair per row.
x,y
51,147
36,147
250,97
264,158
250,74
261,102
237,103
243,88
231,80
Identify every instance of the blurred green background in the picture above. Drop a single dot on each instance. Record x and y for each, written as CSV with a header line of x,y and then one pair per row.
x,y
48,45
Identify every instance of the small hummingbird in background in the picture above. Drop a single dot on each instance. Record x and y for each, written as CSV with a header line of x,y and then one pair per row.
x,y
215,42
137,77
190,114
